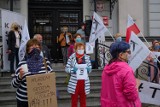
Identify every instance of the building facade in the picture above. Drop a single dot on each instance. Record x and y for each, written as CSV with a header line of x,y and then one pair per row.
x,y
47,17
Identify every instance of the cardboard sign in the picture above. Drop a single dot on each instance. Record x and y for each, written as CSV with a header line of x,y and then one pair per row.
x,y
41,89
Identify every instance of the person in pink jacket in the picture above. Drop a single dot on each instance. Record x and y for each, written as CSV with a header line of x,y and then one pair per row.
x,y
118,82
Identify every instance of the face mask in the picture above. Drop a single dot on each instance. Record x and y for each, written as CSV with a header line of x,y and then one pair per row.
x,y
80,52
34,53
156,47
78,39
16,28
119,39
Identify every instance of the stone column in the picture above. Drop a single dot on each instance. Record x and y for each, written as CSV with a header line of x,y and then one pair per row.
x,y
86,8
133,8
24,8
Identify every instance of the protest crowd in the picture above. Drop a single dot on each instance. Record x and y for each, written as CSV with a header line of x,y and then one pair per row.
x,y
119,86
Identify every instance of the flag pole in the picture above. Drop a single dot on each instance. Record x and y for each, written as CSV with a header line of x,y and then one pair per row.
x,y
149,46
111,35
145,39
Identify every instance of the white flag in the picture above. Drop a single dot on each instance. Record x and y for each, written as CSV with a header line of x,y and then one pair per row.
x,y
139,51
24,40
97,29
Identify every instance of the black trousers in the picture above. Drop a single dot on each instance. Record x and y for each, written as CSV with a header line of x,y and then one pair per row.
x,y
14,55
22,104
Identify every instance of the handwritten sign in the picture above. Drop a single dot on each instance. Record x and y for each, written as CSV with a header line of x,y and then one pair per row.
x,y
41,89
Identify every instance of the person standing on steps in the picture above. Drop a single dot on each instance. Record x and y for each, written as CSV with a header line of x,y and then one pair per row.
x,y
64,40
14,39
119,87
79,87
35,64
45,51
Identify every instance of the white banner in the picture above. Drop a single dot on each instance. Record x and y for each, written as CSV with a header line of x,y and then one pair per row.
x,y
8,18
25,38
139,51
98,28
149,92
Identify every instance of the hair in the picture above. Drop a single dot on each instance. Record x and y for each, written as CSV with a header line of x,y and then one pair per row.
x,y
32,42
77,34
13,25
36,35
64,29
79,45
116,48
117,35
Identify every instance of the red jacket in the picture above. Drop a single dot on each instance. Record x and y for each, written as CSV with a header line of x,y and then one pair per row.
x,y
119,86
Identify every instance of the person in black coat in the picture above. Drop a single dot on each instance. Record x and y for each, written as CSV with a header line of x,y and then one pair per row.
x,y
45,52
14,39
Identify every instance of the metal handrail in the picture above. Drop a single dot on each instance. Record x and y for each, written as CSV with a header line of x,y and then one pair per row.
x,y
144,65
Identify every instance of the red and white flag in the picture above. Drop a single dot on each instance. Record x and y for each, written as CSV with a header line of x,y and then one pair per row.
x,y
131,27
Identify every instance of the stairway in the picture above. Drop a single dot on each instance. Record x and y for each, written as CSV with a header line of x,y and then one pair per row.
x,y
7,93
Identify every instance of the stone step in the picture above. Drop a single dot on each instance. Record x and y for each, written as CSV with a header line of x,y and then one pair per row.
x,y
8,106
5,79
8,100
90,101
8,92
5,85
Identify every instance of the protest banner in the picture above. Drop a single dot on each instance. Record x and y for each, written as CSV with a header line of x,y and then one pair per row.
x,y
41,90
24,40
149,92
7,18
98,29
139,51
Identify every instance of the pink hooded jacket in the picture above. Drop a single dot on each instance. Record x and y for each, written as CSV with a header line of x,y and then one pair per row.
x,y
119,86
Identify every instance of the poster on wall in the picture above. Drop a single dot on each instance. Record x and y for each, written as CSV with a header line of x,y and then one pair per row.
x,y
7,18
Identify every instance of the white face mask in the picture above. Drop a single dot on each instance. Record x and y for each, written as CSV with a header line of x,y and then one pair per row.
x,y
80,52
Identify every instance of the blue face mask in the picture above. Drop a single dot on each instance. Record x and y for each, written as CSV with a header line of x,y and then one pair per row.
x,y
119,39
156,47
78,39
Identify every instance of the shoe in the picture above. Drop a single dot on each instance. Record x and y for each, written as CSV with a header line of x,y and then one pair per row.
x,y
12,75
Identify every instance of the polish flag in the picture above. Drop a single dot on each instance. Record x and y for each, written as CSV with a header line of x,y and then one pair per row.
x,y
131,26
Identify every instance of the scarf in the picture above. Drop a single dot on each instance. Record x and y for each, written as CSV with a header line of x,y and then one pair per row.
x,y
34,61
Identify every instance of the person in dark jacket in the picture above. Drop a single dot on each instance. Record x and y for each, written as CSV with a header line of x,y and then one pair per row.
x,y
35,64
14,39
45,51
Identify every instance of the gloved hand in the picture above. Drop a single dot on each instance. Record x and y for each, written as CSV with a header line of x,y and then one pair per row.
x,y
75,69
88,69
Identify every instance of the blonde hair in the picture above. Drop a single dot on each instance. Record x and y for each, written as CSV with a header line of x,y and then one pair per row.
x,y
13,25
117,35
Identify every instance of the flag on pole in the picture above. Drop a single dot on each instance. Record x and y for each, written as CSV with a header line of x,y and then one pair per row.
x,y
139,51
98,28
131,26
25,38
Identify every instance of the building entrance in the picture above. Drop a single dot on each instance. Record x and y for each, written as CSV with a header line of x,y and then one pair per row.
x,y
49,19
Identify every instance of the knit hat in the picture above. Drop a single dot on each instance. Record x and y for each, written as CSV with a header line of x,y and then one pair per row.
x,y
118,47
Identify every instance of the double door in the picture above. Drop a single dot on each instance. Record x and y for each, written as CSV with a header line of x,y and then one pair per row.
x,y
49,23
